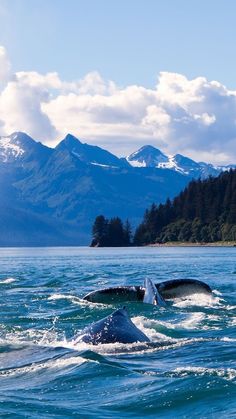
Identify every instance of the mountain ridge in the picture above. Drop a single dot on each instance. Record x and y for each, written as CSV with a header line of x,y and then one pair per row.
x,y
149,156
61,190
11,148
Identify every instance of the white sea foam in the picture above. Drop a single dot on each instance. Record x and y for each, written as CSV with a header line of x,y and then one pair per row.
x,y
63,297
199,300
148,327
191,322
227,339
216,292
207,321
233,322
76,300
121,348
230,307
8,280
225,373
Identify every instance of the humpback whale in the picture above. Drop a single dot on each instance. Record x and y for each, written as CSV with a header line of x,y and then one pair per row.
x,y
117,327
166,290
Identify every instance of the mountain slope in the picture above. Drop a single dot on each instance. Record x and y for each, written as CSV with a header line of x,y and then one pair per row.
x,y
88,153
69,189
51,196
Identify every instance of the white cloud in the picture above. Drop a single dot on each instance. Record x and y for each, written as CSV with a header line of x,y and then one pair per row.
x,y
20,110
21,101
5,67
193,117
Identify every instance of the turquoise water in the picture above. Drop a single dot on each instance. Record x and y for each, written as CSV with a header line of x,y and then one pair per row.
x,y
189,372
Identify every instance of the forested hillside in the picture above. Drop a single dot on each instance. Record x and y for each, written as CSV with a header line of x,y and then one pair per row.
x,y
204,212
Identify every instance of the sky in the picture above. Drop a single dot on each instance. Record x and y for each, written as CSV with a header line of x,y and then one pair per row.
x,y
122,74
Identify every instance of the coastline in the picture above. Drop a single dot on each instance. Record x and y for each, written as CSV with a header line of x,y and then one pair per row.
x,y
187,244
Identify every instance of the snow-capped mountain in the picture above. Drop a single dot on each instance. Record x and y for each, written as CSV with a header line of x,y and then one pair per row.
x,y
51,196
149,156
19,149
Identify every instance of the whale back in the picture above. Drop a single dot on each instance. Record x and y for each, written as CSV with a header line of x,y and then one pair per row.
x,y
114,328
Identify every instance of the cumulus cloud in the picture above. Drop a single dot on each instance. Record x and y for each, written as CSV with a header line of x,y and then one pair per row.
x,y
21,98
5,66
20,109
193,117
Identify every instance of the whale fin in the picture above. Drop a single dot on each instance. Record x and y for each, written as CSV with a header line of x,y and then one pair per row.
x,y
151,294
117,327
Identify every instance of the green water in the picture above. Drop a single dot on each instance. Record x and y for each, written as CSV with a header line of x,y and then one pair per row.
x,y
190,371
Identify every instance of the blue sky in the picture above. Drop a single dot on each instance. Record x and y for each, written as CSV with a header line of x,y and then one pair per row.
x,y
127,41
122,74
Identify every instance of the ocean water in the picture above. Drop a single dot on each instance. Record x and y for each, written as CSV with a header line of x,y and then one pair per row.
x,y
190,371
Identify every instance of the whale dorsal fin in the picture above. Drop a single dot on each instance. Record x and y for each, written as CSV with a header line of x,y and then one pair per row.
x,y
121,312
151,295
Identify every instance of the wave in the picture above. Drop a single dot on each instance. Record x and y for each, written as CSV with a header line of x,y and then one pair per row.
x,y
8,280
76,300
60,364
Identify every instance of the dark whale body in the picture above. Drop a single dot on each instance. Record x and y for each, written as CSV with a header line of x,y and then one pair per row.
x,y
178,288
114,328
168,290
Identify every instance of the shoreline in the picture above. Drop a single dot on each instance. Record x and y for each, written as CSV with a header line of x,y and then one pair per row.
x,y
187,244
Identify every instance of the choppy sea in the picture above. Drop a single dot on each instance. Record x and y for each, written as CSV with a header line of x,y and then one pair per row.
x,y
189,372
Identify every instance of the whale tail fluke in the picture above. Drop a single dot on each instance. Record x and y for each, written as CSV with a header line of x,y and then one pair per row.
x,y
151,294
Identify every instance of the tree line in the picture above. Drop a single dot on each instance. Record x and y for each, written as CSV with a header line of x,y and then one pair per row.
x,y
204,212
111,232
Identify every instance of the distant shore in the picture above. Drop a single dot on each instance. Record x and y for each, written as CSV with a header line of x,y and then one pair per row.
x,y
187,244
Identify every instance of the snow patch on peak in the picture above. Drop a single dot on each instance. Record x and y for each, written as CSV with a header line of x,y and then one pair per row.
x,y
147,156
10,148
137,163
172,165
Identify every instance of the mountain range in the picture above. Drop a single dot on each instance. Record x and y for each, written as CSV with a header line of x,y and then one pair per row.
x,y
50,196
149,156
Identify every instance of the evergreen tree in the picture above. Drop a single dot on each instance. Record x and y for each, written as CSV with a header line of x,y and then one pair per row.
x,y
100,231
111,232
127,233
115,232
